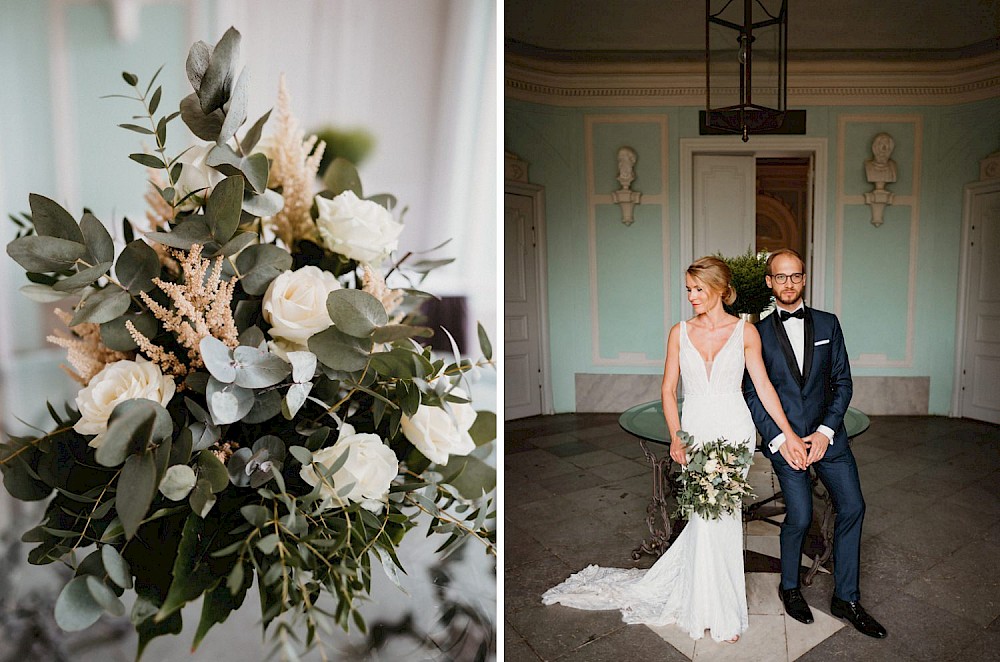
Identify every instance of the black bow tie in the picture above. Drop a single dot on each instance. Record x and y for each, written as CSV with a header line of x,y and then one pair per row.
x,y
784,315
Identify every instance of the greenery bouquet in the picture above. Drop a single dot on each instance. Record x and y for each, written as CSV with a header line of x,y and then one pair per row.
x,y
712,482
254,400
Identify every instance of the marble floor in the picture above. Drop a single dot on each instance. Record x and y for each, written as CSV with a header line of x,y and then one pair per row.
x,y
575,492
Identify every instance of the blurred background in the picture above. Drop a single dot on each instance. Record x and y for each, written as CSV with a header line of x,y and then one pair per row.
x,y
408,89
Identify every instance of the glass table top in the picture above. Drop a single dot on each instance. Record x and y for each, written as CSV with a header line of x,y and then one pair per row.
x,y
646,421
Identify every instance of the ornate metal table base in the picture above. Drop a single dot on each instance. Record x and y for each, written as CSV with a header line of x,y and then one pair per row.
x,y
657,514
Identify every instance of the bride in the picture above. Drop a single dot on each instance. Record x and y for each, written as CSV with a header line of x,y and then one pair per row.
x,y
698,583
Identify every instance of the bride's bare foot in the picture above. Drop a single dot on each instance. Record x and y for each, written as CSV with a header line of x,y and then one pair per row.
x,y
733,640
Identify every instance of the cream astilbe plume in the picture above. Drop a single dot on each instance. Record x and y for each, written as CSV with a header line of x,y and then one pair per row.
x,y
201,308
373,283
85,350
294,170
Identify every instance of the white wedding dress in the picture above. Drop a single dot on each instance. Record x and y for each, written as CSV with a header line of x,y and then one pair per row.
x,y
698,583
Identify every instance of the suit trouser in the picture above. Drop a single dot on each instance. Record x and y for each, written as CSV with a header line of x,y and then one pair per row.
x,y
840,476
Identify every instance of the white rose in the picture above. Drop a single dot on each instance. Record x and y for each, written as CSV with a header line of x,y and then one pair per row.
x,y
438,434
295,305
196,174
711,466
360,229
118,382
371,466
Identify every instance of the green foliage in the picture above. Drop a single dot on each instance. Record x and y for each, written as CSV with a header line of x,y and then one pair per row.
x,y
752,293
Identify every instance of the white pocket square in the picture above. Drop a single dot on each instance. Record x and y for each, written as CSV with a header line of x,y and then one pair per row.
x,y
821,342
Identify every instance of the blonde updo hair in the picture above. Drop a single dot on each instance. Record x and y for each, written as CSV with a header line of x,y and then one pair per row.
x,y
716,275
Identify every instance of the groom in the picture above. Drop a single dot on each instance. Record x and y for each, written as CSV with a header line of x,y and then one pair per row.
x,y
806,360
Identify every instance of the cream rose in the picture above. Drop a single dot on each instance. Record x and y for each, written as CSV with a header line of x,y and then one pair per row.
x,y
438,434
370,466
295,305
360,229
115,383
196,175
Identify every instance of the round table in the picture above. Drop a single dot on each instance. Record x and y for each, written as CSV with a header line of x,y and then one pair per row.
x,y
646,422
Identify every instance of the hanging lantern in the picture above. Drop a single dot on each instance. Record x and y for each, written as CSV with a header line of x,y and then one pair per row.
x,y
746,57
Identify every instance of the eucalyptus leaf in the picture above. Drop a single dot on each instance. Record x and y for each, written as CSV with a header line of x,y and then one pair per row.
x,y
236,114
222,210
43,293
256,368
202,499
470,476
82,278
254,337
197,62
252,136
43,254
295,398
102,306
117,568
51,220
228,403
215,85
148,160
260,264
76,609
266,405
213,470
355,312
184,235
204,126
340,351
104,596
132,427
303,366
340,176
97,238
178,481
255,169
218,359
484,342
137,266
238,243
267,203
484,429
136,488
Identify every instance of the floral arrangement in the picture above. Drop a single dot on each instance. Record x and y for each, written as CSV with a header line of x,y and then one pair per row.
x,y
753,296
254,402
712,482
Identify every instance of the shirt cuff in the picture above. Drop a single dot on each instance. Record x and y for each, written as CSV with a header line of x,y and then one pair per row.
x,y
827,432
775,443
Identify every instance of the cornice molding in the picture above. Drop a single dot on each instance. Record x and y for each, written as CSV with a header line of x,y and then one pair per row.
x,y
828,83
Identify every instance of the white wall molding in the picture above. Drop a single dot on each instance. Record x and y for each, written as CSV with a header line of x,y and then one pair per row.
x,y
912,200
593,199
827,83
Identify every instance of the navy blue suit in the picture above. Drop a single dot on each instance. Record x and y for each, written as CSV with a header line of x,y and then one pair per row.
x,y
819,395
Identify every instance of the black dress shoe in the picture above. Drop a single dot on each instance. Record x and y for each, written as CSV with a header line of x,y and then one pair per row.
x,y
857,616
795,605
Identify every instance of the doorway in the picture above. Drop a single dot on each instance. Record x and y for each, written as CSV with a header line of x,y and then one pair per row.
x,y
765,194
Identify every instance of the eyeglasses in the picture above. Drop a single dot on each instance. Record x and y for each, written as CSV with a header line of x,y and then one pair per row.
x,y
780,278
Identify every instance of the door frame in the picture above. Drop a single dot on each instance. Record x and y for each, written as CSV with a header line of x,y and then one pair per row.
x,y
969,193
760,147
537,195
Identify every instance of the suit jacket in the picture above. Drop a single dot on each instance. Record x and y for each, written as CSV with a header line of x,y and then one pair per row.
x,y
820,396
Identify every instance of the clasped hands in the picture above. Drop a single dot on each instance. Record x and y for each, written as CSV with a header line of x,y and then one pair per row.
x,y
799,453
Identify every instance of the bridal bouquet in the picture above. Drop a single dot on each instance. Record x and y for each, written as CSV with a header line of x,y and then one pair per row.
x,y
712,482
254,404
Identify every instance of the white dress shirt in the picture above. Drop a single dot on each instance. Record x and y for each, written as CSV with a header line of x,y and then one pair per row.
x,y
795,329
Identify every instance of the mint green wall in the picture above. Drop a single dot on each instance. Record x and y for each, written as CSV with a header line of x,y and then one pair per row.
x,y
876,261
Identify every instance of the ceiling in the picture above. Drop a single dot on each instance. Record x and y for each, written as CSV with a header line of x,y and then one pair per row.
x,y
817,29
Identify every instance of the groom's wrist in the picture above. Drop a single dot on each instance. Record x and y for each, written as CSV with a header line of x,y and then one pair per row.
x,y
776,443
826,432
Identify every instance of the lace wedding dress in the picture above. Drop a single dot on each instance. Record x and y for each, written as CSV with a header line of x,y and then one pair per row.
x,y
698,583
